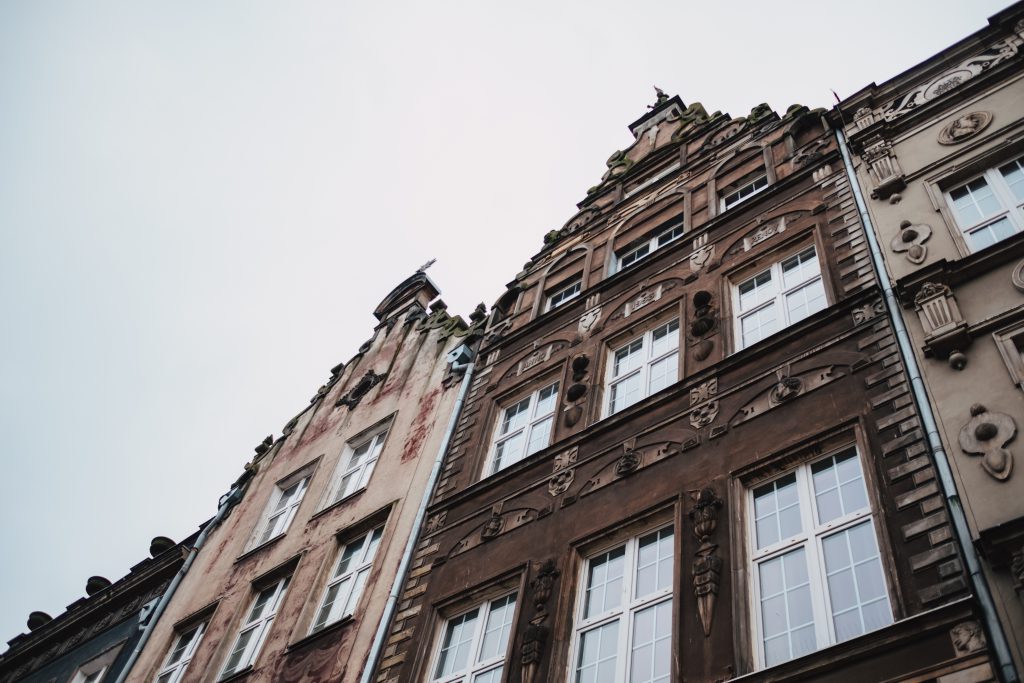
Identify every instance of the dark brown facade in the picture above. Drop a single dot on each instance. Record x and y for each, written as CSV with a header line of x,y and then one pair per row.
x,y
703,220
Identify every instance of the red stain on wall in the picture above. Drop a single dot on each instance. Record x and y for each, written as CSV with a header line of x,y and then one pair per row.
x,y
421,425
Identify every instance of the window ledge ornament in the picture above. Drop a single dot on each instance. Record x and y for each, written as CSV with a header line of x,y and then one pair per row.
x,y
946,335
356,394
987,434
884,169
911,240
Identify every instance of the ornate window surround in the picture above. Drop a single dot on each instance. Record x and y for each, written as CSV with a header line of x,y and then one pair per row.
x,y
1011,208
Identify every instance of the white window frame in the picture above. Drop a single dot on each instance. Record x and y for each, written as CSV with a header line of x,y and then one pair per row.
x,y
347,581
659,240
259,624
810,538
743,189
477,666
629,605
564,294
280,511
778,295
359,473
1010,208
1010,343
527,431
648,360
172,671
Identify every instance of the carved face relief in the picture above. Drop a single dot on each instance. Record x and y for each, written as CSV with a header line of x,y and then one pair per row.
x,y
986,434
964,128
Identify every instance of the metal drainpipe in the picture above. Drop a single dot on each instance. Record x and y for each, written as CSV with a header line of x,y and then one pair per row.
x,y
396,587
227,502
981,590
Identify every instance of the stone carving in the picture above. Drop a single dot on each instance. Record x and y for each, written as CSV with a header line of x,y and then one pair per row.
x,y
560,482
703,325
704,415
884,168
492,528
629,461
964,128
763,233
648,296
1017,278
786,388
541,586
987,434
868,311
1017,570
707,567
564,459
967,637
911,240
436,521
587,322
579,367
533,648
996,54
362,387
265,445
946,334
535,359
704,391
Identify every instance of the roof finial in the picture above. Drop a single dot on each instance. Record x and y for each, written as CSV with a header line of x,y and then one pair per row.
x,y
662,98
426,265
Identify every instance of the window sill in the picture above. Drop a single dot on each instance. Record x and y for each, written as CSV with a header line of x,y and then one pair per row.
x,y
238,675
336,504
326,630
259,549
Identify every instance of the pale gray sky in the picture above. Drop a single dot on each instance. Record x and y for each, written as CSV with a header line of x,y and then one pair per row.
x,y
202,202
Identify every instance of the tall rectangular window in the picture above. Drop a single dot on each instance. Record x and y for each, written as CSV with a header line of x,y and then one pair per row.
x,y
474,645
254,630
643,367
185,644
356,466
524,428
818,576
284,502
348,579
990,208
788,291
623,627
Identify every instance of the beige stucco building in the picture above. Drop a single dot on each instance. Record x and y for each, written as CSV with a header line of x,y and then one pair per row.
x,y
294,583
939,152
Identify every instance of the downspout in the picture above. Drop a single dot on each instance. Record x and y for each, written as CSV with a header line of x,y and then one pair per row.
x,y
226,503
980,585
403,566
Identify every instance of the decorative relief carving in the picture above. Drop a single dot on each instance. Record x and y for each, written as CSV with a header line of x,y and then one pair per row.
x,y
884,169
964,128
868,311
629,461
785,389
362,387
1017,277
704,415
647,296
945,330
704,391
1017,570
498,522
492,527
763,233
702,252
564,459
703,325
560,482
987,434
707,567
436,521
541,587
643,456
967,637
587,323
911,240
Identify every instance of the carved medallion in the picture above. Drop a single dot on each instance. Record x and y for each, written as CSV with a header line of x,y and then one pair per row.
x,y
967,637
704,415
911,240
561,482
987,434
964,128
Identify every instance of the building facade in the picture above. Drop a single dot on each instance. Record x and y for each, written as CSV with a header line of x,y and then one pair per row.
x,y
690,451
939,151
93,639
293,584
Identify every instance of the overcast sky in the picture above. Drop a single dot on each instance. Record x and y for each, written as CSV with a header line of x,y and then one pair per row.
x,y
202,202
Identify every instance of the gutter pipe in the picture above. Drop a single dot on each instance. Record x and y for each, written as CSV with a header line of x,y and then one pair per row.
x,y
981,590
226,503
410,545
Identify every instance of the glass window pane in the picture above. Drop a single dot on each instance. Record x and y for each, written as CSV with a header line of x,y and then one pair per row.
x,y
652,644
1013,174
546,400
786,616
856,587
991,233
509,451
496,631
654,563
515,416
540,435
489,676
756,290
604,582
663,373
757,325
627,358
776,511
455,647
596,660
806,301
664,339
626,393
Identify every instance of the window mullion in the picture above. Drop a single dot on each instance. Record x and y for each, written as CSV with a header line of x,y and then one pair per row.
x,y
477,645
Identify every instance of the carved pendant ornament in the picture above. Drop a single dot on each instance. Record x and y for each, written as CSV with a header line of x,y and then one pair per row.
x,y
707,567
986,435
541,587
911,241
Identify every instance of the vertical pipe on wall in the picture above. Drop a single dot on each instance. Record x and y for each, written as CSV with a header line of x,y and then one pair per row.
x,y
999,644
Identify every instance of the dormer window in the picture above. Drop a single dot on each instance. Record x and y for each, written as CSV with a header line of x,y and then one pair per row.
x,y
743,189
564,293
640,250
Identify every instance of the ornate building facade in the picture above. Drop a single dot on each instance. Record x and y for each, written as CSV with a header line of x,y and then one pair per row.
x,y
940,151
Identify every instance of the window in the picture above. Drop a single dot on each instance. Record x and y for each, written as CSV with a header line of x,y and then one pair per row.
x,y
788,291
284,502
94,670
255,628
356,466
564,294
474,644
185,644
643,367
990,208
623,629
743,189
94,677
642,249
348,579
1010,342
524,428
817,573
